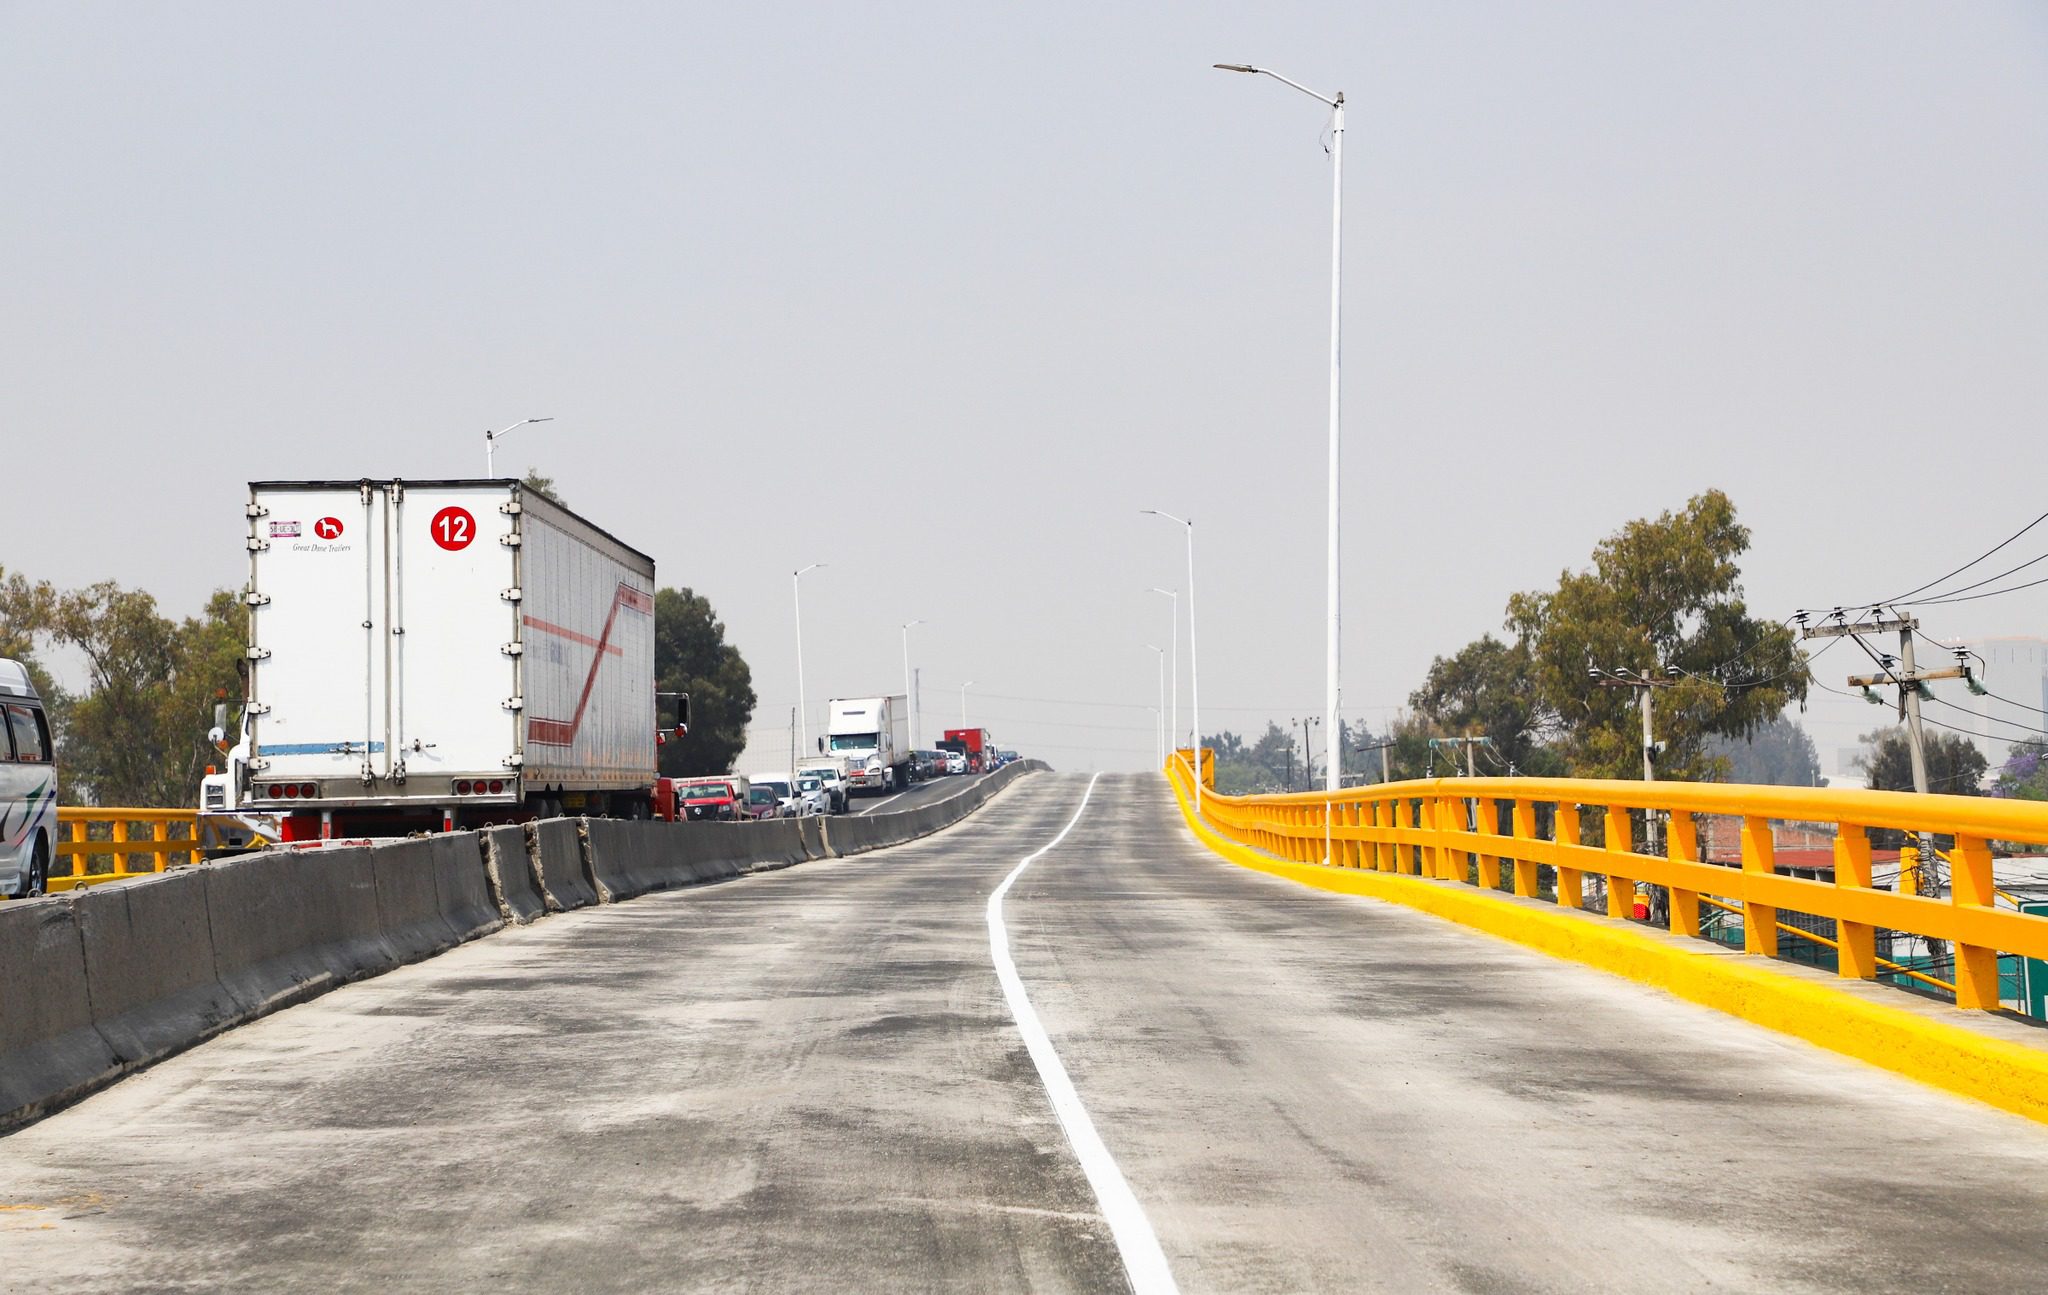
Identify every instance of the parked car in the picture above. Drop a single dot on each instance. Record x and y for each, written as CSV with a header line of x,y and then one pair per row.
x,y
811,795
762,802
956,762
1006,757
715,798
28,787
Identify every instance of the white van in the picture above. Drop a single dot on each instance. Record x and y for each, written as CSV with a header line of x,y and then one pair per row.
x,y
28,786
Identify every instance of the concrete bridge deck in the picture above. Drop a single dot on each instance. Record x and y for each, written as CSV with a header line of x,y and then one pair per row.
x,y
810,1080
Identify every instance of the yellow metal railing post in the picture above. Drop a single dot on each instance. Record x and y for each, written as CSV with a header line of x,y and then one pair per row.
x,y
161,859
1485,866
1571,886
1621,890
1682,837
1759,858
1525,836
1970,887
1855,942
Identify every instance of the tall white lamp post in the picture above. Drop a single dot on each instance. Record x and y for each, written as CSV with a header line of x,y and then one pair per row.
x,y
803,736
491,443
1332,757
1194,661
963,702
1174,705
1160,709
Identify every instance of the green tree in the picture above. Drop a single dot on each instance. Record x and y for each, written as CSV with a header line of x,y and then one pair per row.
x,y
137,737
1488,690
1778,753
1955,766
692,656
1662,594
533,480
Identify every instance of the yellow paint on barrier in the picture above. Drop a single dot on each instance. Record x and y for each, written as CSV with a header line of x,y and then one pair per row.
x,y
2008,1075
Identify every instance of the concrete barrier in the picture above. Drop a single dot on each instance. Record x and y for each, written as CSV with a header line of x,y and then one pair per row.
x,y
289,925
508,868
409,900
464,886
556,847
50,1049
149,966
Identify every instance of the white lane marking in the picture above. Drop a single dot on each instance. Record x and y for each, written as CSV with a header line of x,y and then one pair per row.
x,y
1136,1244
883,801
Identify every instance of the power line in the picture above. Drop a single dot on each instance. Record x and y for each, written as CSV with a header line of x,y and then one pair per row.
x,y
1970,598
1973,561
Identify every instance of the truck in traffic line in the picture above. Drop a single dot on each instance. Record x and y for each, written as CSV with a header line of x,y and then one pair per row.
x,y
437,655
977,744
872,735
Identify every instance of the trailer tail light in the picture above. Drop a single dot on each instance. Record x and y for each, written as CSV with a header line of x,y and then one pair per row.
x,y
310,790
497,785
291,791
462,788
276,792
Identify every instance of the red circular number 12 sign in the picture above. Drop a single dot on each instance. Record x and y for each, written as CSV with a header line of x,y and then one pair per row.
x,y
453,528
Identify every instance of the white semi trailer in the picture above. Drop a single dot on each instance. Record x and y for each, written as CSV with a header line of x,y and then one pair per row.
x,y
437,654
872,735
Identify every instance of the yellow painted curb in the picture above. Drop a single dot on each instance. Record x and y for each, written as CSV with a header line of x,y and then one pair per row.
x,y
2008,1075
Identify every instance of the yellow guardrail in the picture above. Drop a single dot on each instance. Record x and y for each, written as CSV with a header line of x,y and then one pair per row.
x,y
1450,829
132,842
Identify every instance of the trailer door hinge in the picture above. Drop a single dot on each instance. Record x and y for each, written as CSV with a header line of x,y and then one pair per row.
x,y
397,492
257,654
510,541
257,708
515,703
258,544
514,761
258,765
512,649
511,508
255,510
512,595
254,599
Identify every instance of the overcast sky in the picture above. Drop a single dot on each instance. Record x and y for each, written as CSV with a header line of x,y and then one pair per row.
x,y
944,294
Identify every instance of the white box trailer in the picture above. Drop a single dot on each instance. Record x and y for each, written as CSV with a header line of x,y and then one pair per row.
x,y
440,654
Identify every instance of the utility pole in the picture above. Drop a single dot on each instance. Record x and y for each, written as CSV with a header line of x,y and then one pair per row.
x,y
1912,685
1470,744
1645,685
1382,747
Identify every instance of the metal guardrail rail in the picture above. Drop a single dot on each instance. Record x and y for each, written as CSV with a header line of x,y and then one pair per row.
x,y
154,837
1445,828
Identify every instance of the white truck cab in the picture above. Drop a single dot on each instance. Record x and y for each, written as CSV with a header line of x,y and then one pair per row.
x,y
28,786
872,735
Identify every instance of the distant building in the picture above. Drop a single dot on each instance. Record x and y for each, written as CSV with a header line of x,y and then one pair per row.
x,y
2016,670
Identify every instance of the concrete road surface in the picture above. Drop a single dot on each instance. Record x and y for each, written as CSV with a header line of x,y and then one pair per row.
x,y
810,1080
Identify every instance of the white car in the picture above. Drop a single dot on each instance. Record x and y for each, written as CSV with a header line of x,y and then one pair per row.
x,y
837,789
812,796
28,786
956,762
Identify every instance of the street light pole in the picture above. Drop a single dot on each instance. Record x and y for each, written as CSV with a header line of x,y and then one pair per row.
x,y
963,702
906,679
491,443
1175,705
1194,661
1161,708
797,593
1333,774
